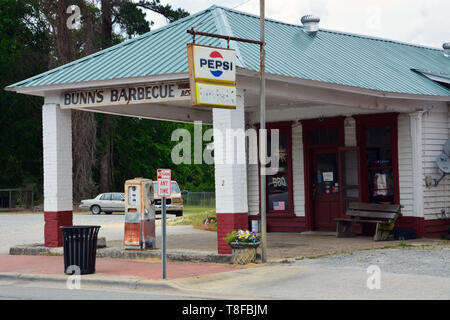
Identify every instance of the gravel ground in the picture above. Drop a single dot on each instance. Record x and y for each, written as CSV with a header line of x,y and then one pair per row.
x,y
431,262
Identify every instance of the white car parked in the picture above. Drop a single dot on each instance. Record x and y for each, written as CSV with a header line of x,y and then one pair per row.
x,y
105,202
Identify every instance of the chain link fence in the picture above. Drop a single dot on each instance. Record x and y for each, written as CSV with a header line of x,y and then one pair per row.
x,y
199,199
16,199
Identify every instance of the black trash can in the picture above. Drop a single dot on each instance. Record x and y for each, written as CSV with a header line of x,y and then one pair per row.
x,y
80,248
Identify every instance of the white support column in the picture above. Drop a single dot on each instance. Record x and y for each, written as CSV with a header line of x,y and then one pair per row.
x,y
230,170
57,144
417,168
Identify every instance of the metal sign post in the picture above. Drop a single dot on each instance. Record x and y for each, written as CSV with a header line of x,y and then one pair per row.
x,y
164,190
163,218
263,142
263,139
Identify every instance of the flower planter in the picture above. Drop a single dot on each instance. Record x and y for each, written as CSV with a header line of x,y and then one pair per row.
x,y
243,253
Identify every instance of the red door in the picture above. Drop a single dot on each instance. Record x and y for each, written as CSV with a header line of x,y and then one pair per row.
x,y
325,189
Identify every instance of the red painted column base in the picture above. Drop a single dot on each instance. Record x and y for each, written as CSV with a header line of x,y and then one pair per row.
x,y
52,232
226,223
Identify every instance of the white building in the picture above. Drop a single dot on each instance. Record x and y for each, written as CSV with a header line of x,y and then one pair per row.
x,y
360,118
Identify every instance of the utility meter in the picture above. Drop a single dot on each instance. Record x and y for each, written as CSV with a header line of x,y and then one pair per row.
x,y
139,214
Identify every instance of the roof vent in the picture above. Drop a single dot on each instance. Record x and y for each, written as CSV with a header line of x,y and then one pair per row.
x,y
446,47
310,24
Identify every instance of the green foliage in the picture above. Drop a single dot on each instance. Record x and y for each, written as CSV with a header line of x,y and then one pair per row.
x,y
141,146
132,19
24,52
27,48
242,236
166,10
231,237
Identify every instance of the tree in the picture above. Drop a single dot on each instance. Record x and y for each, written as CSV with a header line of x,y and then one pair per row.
x,y
35,33
24,52
130,17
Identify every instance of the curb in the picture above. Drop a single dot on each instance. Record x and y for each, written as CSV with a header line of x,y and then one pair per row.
x,y
128,283
172,255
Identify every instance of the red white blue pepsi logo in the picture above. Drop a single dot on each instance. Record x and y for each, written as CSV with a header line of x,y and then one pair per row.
x,y
216,55
216,64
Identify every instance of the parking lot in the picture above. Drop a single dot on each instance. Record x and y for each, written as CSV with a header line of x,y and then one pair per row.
x,y
19,229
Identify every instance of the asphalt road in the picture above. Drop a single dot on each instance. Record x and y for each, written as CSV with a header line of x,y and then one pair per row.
x,y
40,291
20,229
403,275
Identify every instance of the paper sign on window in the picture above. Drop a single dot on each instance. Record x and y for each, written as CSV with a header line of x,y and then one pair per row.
x,y
328,177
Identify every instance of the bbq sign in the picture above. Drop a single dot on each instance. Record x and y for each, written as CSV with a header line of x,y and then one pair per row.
x,y
146,93
212,76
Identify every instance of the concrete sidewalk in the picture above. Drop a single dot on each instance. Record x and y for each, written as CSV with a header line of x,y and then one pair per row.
x,y
109,272
201,246
403,276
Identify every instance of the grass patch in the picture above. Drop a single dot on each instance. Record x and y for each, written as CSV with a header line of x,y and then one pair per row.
x,y
190,210
194,216
20,212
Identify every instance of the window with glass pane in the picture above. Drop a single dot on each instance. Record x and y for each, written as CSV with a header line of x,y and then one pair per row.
x,y
350,178
379,136
277,185
327,174
116,197
106,196
379,164
324,136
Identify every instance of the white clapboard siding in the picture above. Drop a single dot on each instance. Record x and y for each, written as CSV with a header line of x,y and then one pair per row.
x,y
405,167
350,132
435,127
253,189
298,171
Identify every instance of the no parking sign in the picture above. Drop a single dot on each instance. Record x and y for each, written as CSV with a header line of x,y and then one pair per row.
x,y
164,182
164,190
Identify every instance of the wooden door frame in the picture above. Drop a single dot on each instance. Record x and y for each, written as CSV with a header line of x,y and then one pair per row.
x,y
370,121
284,127
358,158
307,125
313,161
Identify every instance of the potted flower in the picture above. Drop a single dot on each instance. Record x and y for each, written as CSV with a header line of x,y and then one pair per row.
x,y
243,245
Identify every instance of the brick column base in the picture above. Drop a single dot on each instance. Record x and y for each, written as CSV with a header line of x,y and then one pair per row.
x,y
227,222
52,232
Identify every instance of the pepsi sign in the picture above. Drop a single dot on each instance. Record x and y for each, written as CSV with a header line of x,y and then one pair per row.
x,y
212,73
214,64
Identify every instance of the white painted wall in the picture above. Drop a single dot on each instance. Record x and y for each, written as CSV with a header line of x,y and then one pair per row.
x,y
253,189
435,132
230,178
57,143
298,171
405,164
350,132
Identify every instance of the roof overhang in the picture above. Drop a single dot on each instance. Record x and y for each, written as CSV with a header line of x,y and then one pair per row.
x,y
344,88
41,90
107,83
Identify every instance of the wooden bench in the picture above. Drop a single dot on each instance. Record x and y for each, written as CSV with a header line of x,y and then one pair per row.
x,y
384,215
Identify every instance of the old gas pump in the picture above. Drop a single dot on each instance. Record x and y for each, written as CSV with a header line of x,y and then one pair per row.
x,y
139,214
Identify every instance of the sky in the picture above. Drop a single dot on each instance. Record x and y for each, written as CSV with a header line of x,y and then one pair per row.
x,y
423,22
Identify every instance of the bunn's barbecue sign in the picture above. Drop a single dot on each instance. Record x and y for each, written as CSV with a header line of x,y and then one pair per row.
x,y
149,93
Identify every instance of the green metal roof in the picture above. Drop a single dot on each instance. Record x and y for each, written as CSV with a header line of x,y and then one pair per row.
x,y
329,56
